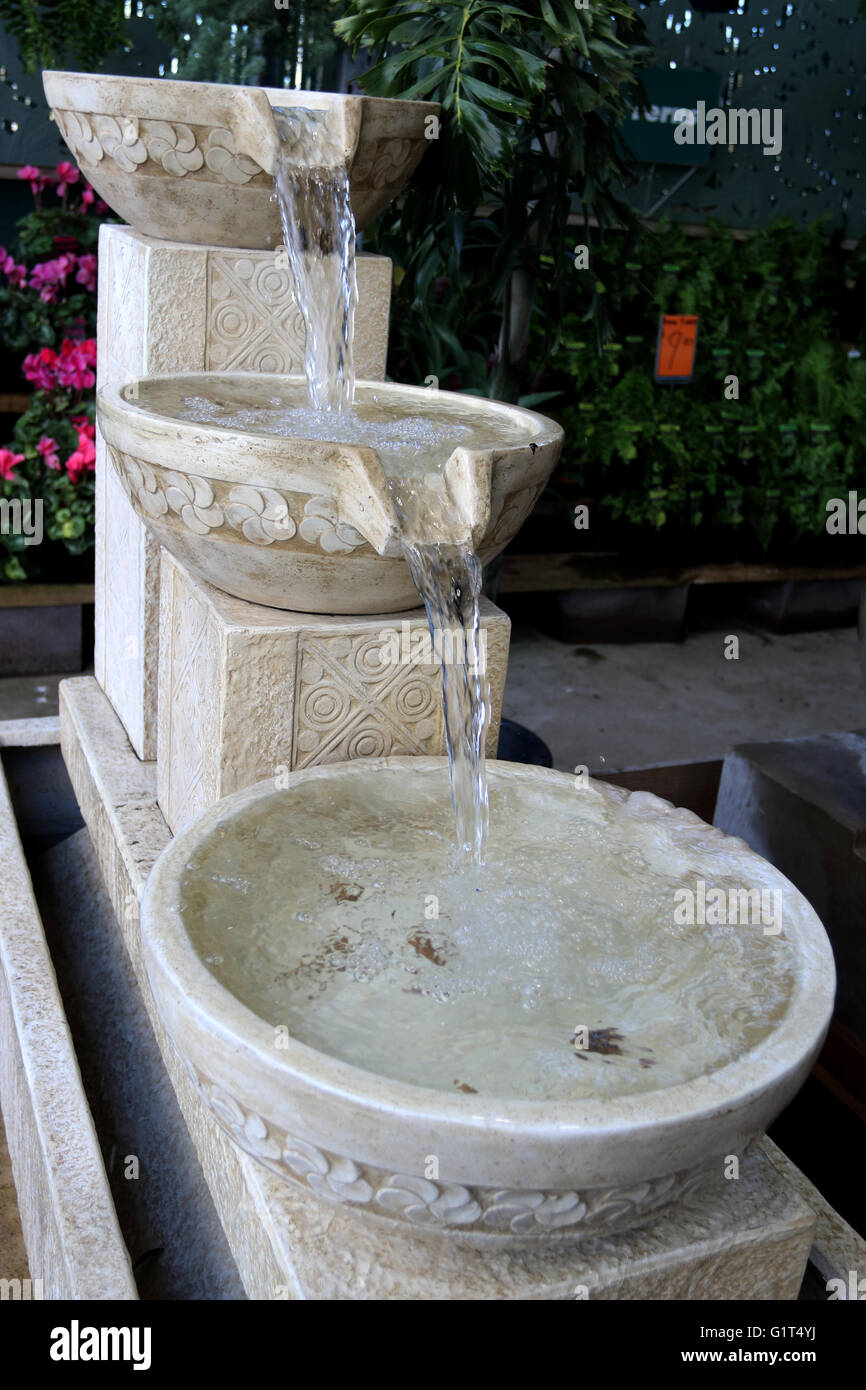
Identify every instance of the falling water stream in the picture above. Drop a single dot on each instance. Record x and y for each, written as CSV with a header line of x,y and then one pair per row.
x,y
312,184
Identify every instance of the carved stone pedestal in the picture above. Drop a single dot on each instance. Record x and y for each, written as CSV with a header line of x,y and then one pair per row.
x,y
247,692
170,307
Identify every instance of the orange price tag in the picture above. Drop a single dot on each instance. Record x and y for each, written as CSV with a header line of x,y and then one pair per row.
x,y
675,354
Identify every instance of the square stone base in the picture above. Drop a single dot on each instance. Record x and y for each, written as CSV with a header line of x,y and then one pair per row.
x,y
745,1239
248,692
164,307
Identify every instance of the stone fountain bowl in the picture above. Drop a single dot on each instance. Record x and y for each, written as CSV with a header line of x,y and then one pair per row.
x,y
306,524
508,1168
194,161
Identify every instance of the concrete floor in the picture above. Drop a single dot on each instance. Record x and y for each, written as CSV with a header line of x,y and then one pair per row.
x,y
616,706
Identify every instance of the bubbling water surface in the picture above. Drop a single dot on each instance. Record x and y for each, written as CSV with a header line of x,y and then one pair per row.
x,y
335,912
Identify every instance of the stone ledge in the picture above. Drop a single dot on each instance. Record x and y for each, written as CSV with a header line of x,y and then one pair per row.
x,y
71,1234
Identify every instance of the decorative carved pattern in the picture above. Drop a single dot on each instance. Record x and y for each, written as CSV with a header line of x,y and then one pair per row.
x,y
254,323
261,514
440,1205
352,703
224,160
321,525
385,163
175,148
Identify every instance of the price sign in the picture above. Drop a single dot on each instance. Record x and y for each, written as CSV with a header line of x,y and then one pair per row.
x,y
675,354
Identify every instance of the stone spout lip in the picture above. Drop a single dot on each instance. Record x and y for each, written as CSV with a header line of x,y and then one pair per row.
x,y
364,1133
307,524
194,161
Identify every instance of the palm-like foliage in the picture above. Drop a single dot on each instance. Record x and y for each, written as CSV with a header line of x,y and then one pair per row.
x,y
532,94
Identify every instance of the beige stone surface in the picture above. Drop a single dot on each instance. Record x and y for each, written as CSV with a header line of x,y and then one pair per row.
x,y
744,1239
312,524
13,1255
30,733
195,159
246,691
73,1241
175,307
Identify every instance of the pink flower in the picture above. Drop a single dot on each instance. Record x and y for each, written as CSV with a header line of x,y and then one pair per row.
x,y
87,196
84,426
40,368
17,273
75,364
8,461
66,174
86,274
102,208
36,180
49,277
47,447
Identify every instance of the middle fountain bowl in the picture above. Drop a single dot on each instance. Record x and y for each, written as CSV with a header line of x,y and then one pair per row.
x,y
307,524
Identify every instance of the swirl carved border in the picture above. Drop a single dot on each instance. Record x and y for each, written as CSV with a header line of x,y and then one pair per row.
x,y
261,515
431,1205
174,148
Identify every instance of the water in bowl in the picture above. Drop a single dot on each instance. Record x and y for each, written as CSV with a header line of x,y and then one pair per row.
x,y
556,972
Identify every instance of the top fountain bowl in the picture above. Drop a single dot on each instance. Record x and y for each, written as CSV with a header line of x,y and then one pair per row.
x,y
194,161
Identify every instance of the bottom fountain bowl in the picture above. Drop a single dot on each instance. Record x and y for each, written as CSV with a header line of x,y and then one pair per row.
x,y
557,1046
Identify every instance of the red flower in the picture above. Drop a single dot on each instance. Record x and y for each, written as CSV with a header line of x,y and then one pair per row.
x,y
8,461
40,368
47,447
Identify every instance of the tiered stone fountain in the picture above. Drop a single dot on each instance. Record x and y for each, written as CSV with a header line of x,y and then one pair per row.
x,y
393,1093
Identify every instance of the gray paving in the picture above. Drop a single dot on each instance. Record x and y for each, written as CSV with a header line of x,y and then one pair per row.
x,y
642,704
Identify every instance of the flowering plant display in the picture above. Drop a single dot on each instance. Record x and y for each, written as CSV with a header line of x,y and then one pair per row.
x,y
48,304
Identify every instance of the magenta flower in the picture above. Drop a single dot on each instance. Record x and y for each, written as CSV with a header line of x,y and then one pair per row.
x,y
75,364
67,174
36,180
49,277
17,273
86,273
40,369
47,447
8,461
87,196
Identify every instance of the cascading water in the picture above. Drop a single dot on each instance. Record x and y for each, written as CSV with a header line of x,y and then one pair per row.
x,y
312,184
